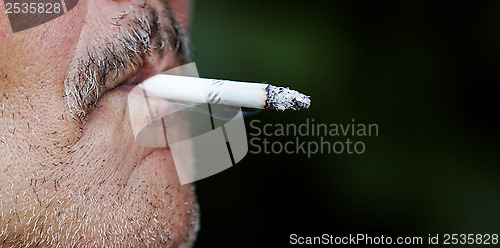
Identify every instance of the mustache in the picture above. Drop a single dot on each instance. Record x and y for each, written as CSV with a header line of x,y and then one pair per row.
x,y
143,33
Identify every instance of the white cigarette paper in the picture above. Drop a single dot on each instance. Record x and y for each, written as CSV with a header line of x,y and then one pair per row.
x,y
225,92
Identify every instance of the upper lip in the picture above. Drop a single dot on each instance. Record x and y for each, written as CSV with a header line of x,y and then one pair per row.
x,y
139,74
151,65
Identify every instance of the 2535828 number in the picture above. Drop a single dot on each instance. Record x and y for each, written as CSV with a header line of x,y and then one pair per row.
x,y
33,8
470,239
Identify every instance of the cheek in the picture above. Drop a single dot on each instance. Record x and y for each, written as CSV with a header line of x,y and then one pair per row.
x,y
39,59
51,43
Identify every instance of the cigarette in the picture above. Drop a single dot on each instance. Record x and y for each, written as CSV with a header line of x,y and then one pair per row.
x,y
225,92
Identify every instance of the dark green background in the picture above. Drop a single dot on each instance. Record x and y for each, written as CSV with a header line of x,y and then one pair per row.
x,y
424,71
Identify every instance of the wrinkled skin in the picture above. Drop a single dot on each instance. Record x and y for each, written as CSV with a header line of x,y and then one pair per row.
x,y
82,180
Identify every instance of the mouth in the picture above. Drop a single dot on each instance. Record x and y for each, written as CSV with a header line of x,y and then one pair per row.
x,y
140,74
147,41
144,111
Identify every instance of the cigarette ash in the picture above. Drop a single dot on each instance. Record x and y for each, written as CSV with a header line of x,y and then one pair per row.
x,y
282,98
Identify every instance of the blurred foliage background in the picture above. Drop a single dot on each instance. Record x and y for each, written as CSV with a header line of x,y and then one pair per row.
x,y
424,71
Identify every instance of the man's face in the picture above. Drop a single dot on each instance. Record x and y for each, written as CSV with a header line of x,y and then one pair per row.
x,y
70,171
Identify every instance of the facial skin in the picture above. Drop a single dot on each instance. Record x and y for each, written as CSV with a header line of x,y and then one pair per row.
x,y
71,173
